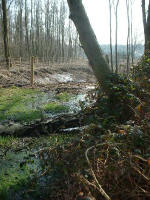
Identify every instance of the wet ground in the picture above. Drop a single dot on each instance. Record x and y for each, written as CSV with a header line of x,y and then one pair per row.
x,y
49,75
74,80
67,85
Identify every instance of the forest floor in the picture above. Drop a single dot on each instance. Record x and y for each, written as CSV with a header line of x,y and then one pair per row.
x,y
58,89
48,75
94,152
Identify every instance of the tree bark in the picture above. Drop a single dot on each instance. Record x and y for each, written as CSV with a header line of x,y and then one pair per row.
x,y
146,25
128,36
5,32
116,35
110,25
89,43
26,28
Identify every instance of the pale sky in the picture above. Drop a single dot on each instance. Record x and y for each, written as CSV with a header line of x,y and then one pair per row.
x,y
98,12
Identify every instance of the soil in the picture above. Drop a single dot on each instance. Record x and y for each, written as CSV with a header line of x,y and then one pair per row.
x,y
50,76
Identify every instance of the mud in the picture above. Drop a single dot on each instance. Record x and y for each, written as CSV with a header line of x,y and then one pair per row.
x,y
51,76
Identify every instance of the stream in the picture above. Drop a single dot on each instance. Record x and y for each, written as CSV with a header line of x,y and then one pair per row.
x,y
20,161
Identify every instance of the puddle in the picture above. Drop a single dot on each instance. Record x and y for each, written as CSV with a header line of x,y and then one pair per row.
x,y
90,87
73,104
39,107
44,81
40,99
63,78
22,161
60,78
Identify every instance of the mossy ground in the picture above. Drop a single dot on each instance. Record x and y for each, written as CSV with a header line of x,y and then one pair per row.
x,y
18,166
15,104
55,107
63,96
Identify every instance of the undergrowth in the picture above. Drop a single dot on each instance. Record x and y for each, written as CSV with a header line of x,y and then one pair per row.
x,y
110,159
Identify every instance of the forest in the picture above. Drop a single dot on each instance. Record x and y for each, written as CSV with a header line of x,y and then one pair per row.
x,y
74,105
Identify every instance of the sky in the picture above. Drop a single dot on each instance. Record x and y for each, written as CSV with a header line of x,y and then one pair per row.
x,y
98,13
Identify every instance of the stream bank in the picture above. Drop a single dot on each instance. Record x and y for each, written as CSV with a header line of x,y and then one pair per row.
x,y
33,119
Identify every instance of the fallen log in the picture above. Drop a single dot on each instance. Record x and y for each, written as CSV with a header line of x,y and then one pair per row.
x,y
40,127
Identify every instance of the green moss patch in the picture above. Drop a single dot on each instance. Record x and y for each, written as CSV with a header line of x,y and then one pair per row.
x,y
63,96
12,180
7,141
55,107
26,104
18,167
14,104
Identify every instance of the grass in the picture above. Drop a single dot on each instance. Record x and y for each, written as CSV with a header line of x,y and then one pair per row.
x,y
13,180
25,116
7,141
54,140
63,96
55,107
13,104
20,104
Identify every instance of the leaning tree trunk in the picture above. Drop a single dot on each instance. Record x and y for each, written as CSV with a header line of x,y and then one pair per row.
x,y
5,32
89,43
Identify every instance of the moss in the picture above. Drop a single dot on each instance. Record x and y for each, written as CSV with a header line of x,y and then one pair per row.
x,y
63,96
7,141
16,175
14,101
54,107
26,116
12,180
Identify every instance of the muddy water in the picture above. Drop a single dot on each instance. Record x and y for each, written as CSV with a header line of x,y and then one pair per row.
x,y
23,161
44,98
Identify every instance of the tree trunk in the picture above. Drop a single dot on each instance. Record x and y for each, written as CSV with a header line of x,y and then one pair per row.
x,y
89,43
5,32
146,24
110,25
26,28
116,35
128,36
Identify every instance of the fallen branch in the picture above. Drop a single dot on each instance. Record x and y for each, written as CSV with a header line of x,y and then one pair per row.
x,y
99,187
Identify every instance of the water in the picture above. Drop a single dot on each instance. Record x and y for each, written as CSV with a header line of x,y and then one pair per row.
x,y
42,99
23,161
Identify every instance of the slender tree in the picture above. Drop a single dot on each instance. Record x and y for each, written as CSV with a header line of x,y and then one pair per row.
x,y
110,34
116,34
128,35
5,32
146,24
131,25
26,28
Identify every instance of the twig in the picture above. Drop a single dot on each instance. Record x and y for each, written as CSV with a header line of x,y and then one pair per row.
x,y
139,157
136,169
101,190
143,175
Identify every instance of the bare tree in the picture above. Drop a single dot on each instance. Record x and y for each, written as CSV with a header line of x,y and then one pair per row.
x,y
110,25
116,34
26,28
128,35
89,43
146,24
40,29
5,32
131,25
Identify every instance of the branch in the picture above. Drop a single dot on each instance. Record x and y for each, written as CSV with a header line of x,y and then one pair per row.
x,y
101,190
10,4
